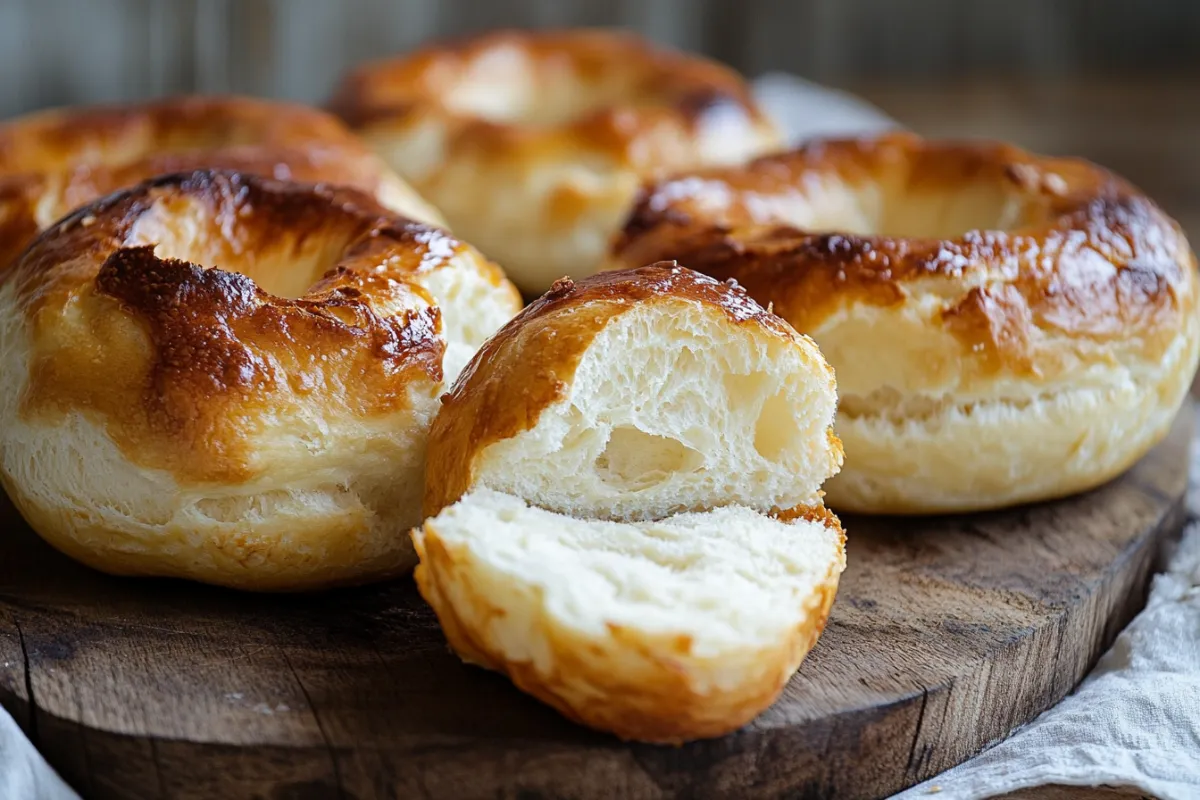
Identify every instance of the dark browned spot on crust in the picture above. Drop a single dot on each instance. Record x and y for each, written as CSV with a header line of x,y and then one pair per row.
x,y
184,362
562,286
1091,257
658,79
195,316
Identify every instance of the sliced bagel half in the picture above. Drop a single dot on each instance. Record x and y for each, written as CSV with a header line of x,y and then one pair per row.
x,y
624,506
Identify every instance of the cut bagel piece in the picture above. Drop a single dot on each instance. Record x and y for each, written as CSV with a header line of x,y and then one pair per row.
x,y
603,494
638,394
662,631
1006,327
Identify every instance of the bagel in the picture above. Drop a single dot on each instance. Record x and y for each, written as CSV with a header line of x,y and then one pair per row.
x,y
1005,327
259,423
534,144
668,631
639,394
607,490
52,162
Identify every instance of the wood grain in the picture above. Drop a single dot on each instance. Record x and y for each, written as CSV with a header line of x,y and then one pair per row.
x,y
946,634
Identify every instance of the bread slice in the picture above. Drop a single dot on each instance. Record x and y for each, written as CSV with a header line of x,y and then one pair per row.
x,y
659,631
634,395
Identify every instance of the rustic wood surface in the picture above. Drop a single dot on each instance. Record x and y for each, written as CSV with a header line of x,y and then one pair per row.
x,y
945,635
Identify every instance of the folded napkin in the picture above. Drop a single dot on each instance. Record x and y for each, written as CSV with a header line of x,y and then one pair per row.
x,y
23,772
1135,721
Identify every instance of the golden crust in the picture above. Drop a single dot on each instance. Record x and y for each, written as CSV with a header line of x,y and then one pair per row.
x,y
286,555
545,136
592,684
973,360
544,343
658,88
220,352
1040,273
52,162
230,378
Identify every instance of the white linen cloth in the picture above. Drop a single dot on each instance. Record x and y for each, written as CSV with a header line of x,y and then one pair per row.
x,y
1135,721
23,772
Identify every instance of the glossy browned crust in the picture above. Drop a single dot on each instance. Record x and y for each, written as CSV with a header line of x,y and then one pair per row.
x,y
818,514
529,363
665,88
75,156
184,360
665,707
1042,275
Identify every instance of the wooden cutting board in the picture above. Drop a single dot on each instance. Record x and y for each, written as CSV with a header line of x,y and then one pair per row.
x,y
946,634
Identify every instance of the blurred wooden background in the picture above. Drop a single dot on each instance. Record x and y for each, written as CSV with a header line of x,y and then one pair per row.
x,y
1114,80
67,51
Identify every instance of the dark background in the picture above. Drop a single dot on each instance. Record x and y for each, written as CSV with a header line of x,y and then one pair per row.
x,y
62,51
1117,81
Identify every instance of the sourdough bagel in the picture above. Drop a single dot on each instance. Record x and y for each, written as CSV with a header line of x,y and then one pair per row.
x,y
534,143
554,551
1005,327
661,631
638,394
230,378
52,162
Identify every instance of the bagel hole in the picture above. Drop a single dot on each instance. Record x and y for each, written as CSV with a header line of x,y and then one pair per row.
x,y
906,206
776,432
633,459
948,215
285,263
505,85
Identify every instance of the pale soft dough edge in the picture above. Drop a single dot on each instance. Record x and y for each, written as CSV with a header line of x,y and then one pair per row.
x,y
661,631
